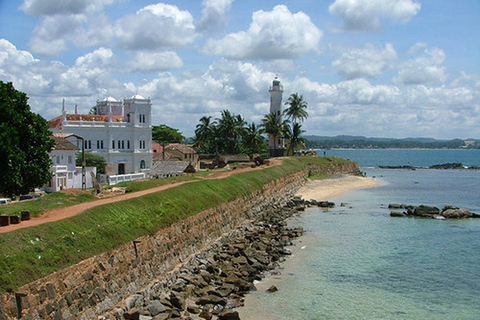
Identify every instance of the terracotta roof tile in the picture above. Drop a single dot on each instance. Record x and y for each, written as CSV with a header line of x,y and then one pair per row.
x,y
63,144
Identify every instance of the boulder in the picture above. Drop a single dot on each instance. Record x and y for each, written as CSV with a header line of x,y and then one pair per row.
x,y
272,289
210,299
155,307
426,211
396,206
132,314
456,213
397,214
229,315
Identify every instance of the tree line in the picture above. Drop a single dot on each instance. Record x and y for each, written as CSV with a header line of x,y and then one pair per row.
x,y
231,134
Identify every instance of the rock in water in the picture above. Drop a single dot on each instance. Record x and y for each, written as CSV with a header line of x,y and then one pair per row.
x,y
272,289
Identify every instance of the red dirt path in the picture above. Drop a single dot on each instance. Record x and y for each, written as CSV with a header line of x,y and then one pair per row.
x,y
67,212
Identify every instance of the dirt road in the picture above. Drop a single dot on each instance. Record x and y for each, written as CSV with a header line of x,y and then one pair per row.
x,y
67,212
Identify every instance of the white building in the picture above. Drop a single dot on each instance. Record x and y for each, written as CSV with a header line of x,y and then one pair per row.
x,y
276,145
65,174
120,132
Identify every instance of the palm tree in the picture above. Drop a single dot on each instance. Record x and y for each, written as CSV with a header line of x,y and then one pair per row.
x,y
253,140
294,140
205,134
271,124
231,128
296,111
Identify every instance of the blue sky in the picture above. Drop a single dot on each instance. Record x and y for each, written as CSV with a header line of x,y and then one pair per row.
x,y
378,68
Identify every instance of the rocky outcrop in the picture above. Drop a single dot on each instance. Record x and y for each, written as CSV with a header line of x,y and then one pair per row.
x,y
423,211
454,165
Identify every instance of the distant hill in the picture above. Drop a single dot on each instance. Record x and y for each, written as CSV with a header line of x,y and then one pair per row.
x,y
361,142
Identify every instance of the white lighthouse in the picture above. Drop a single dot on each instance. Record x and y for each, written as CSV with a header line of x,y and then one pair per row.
x,y
276,145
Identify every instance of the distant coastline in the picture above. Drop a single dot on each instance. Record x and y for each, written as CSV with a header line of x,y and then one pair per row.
x,y
360,142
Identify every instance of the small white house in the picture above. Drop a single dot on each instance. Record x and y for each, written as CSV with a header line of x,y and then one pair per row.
x,y
65,174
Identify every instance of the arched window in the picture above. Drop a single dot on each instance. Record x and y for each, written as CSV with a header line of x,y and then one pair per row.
x,y
142,164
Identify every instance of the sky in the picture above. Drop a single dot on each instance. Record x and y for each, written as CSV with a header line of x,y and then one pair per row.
x,y
376,68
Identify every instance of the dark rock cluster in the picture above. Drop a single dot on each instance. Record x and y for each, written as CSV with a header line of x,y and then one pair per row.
x,y
215,280
423,211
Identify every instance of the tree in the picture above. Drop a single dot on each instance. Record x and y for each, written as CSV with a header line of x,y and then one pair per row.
x,y
292,134
205,135
230,128
296,111
271,124
92,160
166,134
253,140
24,144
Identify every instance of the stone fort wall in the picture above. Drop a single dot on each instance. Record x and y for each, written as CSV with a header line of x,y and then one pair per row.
x,y
99,284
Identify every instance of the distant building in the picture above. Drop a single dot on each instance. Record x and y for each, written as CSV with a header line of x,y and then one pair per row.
x,y
175,152
120,132
65,174
276,148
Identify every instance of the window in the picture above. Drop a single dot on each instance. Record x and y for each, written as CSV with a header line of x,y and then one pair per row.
x,y
89,144
101,144
70,176
123,144
119,144
143,117
142,164
69,159
58,160
113,144
128,144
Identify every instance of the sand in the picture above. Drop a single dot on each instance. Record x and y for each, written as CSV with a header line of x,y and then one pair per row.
x,y
325,189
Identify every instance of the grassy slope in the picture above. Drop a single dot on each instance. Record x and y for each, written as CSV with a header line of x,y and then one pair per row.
x,y
31,253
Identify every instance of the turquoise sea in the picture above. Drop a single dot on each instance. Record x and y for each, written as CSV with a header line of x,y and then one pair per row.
x,y
357,262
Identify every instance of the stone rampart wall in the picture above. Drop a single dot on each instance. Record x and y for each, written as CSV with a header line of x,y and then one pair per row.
x,y
96,285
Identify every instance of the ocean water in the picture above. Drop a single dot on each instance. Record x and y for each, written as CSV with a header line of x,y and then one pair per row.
x,y
357,262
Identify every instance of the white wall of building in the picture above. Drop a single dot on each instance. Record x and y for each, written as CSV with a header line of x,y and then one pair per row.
x,y
123,141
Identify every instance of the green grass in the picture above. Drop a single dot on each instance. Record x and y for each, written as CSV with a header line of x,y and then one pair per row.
x,y
31,253
320,176
45,203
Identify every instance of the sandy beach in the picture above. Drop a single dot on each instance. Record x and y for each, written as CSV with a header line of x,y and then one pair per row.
x,y
325,189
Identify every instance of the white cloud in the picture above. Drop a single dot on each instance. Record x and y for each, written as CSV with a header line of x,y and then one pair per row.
x,y
368,61
100,58
368,15
155,61
276,34
55,7
213,19
424,69
51,36
152,27
156,26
